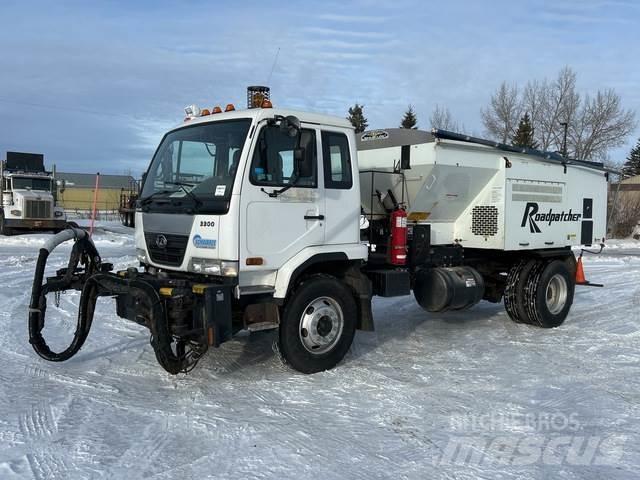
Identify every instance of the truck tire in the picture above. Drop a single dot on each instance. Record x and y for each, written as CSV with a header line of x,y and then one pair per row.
x,y
514,302
548,293
317,325
4,230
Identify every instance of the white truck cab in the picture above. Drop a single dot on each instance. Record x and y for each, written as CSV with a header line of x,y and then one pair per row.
x,y
232,204
27,196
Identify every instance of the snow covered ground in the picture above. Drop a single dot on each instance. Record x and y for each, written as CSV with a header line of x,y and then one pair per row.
x,y
459,395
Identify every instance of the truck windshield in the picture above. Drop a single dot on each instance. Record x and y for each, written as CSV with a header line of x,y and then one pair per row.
x,y
196,165
27,183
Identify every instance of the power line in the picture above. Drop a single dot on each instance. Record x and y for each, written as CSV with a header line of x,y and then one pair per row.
x,y
275,60
67,108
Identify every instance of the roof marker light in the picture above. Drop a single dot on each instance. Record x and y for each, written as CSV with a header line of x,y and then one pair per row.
x,y
192,111
216,109
266,104
205,111
230,108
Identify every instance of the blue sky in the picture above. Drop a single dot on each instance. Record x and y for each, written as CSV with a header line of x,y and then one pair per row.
x,y
93,85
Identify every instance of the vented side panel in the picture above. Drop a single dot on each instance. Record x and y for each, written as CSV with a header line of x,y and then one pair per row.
x,y
484,220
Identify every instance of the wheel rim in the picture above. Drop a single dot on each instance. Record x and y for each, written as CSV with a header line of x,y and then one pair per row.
x,y
556,296
321,325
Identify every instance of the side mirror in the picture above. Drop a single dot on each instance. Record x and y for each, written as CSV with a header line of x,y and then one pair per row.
x,y
405,157
302,163
291,125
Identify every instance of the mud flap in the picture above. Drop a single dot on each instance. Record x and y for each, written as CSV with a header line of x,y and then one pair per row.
x,y
216,313
363,292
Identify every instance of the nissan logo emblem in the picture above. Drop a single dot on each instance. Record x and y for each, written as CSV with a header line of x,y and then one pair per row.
x,y
161,241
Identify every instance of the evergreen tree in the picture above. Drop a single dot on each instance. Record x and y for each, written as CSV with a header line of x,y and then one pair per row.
x,y
631,167
409,120
524,134
357,118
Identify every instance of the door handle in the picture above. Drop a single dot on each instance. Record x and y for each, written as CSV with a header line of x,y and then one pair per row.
x,y
314,217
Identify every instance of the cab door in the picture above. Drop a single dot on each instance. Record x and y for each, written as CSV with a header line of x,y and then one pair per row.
x,y
275,224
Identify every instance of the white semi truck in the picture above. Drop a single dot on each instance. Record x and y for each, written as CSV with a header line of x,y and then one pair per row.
x,y
27,195
270,218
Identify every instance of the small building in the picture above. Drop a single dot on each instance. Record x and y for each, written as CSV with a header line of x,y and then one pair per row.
x,y
628,190
624,208
76,190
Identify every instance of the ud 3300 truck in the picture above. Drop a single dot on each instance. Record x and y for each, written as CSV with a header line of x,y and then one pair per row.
x,y
268,218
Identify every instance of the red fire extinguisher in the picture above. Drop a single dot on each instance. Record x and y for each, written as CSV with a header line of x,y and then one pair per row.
x,y
398,237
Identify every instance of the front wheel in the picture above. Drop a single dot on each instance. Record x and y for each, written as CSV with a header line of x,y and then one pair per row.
x,y
317,325
4,230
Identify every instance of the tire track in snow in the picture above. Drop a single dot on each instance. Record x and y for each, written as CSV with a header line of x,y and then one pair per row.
x,y
46,465
38,421
37,429
83,383
142,453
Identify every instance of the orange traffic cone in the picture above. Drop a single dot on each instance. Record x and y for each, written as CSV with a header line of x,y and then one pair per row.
x,y
580,279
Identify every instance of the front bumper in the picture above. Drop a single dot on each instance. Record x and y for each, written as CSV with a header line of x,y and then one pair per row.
x,y
201,312
36,224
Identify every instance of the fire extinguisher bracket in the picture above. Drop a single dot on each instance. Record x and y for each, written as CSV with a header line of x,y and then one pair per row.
x,y
397,252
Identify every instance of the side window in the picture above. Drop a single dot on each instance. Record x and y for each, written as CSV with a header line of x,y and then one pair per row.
x,y
336,160
272,162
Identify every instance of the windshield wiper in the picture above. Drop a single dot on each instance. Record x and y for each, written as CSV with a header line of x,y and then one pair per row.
x,y
183,186
149,199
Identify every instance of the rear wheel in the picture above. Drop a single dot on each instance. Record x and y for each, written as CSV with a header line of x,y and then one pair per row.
x,y
514,301
539,292
549,294
317,325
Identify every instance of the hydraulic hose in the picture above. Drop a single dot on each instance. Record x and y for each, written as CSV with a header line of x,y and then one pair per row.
x,y
93,284
82,248
101,284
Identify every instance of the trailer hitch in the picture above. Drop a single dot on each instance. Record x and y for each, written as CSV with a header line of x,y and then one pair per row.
x,y
87,273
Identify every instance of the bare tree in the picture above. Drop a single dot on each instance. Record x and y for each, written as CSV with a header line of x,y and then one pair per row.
x,y
503,114
602,124
594,124
441,118
558,103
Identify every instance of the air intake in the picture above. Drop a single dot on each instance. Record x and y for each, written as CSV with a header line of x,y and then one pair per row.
x,y
484,220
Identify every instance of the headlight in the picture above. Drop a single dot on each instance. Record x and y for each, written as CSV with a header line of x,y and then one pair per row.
x,y
208,266
16,213
142,255
58,213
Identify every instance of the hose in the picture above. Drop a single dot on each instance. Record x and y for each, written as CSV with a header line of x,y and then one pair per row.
x,y
83,248
93,283
101,284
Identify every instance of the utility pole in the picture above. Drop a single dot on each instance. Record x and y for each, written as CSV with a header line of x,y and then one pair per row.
x,y
565,125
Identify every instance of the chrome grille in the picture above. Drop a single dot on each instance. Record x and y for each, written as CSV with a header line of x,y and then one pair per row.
x,y
173,251
37,209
